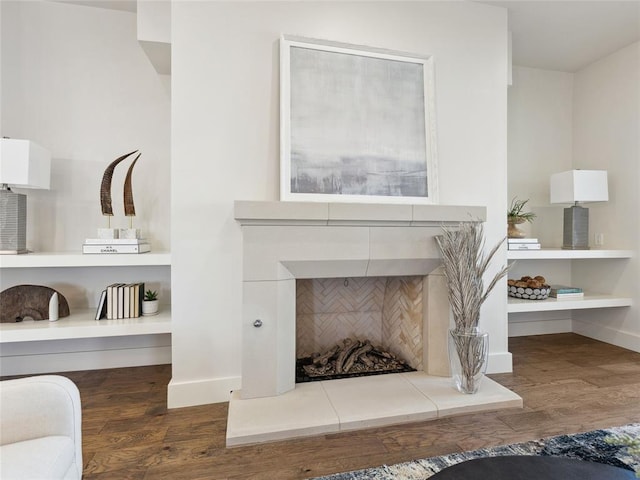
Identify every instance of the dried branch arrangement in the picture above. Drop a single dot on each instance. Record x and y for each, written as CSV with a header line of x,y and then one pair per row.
x,y
465,264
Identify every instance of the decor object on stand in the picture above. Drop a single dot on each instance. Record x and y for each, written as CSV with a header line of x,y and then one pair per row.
x,y
150,303
464,267
30,301
529,288
575,186
105,196
515,216
23,164
329,87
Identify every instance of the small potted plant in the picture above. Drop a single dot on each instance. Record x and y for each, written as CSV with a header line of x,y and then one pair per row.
x,y
150,303
516,216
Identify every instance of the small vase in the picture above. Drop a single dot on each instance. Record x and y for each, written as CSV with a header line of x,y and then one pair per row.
x,y
512,230
468,354
149,307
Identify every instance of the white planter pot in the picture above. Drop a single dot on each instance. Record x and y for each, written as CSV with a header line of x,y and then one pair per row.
x,y
149,307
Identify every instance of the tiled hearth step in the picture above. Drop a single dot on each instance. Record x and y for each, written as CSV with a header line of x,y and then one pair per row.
x,y
347,404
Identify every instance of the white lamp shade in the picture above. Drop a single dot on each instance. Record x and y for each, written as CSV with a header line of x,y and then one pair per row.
x,y
579,186
24,163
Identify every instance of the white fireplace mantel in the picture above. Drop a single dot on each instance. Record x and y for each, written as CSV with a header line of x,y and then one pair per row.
x,y
285,241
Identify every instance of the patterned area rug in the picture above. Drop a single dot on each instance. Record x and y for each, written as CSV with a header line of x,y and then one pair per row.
x,y
590,446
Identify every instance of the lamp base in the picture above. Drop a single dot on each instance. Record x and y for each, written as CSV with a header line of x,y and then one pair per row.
x,y
13,222
575,235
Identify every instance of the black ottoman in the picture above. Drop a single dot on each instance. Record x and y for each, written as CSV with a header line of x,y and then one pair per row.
x,y
523,467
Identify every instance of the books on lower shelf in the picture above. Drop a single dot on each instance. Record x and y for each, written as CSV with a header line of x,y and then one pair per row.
x,y
565,291
120,301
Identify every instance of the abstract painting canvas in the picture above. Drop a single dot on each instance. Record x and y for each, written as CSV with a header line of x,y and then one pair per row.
x,y
357,124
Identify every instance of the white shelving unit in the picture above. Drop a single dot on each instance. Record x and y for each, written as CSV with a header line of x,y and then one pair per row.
x,y
590,299
79,341
81,324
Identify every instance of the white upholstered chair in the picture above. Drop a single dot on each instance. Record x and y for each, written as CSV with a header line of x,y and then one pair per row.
x,y
40,429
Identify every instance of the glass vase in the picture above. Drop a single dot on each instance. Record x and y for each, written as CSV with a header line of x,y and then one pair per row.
x,y
468,355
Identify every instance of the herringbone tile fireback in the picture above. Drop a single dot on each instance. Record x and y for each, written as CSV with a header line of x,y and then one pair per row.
x,y
387,311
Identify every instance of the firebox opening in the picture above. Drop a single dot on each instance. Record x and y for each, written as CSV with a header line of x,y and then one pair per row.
x,y
358,327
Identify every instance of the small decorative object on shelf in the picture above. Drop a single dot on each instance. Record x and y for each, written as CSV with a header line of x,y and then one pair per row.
x,y
516,216
564,291
529,288
31,301
150,303
107,237
523,244
464,266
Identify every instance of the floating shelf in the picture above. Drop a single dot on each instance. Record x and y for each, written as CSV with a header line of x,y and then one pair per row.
x,y
517,305
74,259
558,253
81,324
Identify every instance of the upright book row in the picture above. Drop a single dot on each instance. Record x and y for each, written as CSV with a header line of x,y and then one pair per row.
x,y
121,300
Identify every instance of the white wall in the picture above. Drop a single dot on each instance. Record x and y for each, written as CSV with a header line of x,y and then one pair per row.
x,y
225,106
606,135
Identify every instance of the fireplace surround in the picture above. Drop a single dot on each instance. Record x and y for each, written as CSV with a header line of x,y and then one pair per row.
x,y
287,241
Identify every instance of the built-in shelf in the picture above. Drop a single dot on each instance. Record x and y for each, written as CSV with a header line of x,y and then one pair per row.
x,y
81,324
558,253
590,300
76,259
517,305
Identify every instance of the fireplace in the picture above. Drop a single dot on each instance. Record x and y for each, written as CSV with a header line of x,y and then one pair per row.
x,y
288,241
286,244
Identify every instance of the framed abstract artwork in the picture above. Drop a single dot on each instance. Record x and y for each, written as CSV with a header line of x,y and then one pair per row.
x,y
357,124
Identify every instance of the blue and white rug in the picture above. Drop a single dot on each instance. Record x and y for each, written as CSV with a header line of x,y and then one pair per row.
x,y
590,446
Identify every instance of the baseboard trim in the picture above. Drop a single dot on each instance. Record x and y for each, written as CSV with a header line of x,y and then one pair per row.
x,y
628,340
500,363
201,392
539,327
35,364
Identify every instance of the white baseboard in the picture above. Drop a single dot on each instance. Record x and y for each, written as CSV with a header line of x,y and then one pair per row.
x,y
201,392
628,340
500,363
539,327
34,358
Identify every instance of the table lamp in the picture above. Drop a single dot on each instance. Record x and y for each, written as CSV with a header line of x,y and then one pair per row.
x,y
578,186
23,164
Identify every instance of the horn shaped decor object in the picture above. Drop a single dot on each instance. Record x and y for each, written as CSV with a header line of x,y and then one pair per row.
x,y
105,186
129,207
29,301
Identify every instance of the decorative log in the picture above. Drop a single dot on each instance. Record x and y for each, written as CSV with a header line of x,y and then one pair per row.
x,y
355,355
29,301
323,359
349,346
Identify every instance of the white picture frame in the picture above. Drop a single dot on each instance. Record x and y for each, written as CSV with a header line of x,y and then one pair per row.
x,y
357,124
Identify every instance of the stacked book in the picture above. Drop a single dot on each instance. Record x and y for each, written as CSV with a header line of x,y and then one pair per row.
x,y
121,300
116,245
523,244
564,291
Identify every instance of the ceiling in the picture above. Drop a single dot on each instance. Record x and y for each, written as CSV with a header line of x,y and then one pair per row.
x,y
569,35
552,35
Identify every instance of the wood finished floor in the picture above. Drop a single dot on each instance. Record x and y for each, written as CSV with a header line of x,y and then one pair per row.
x,y
569,384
